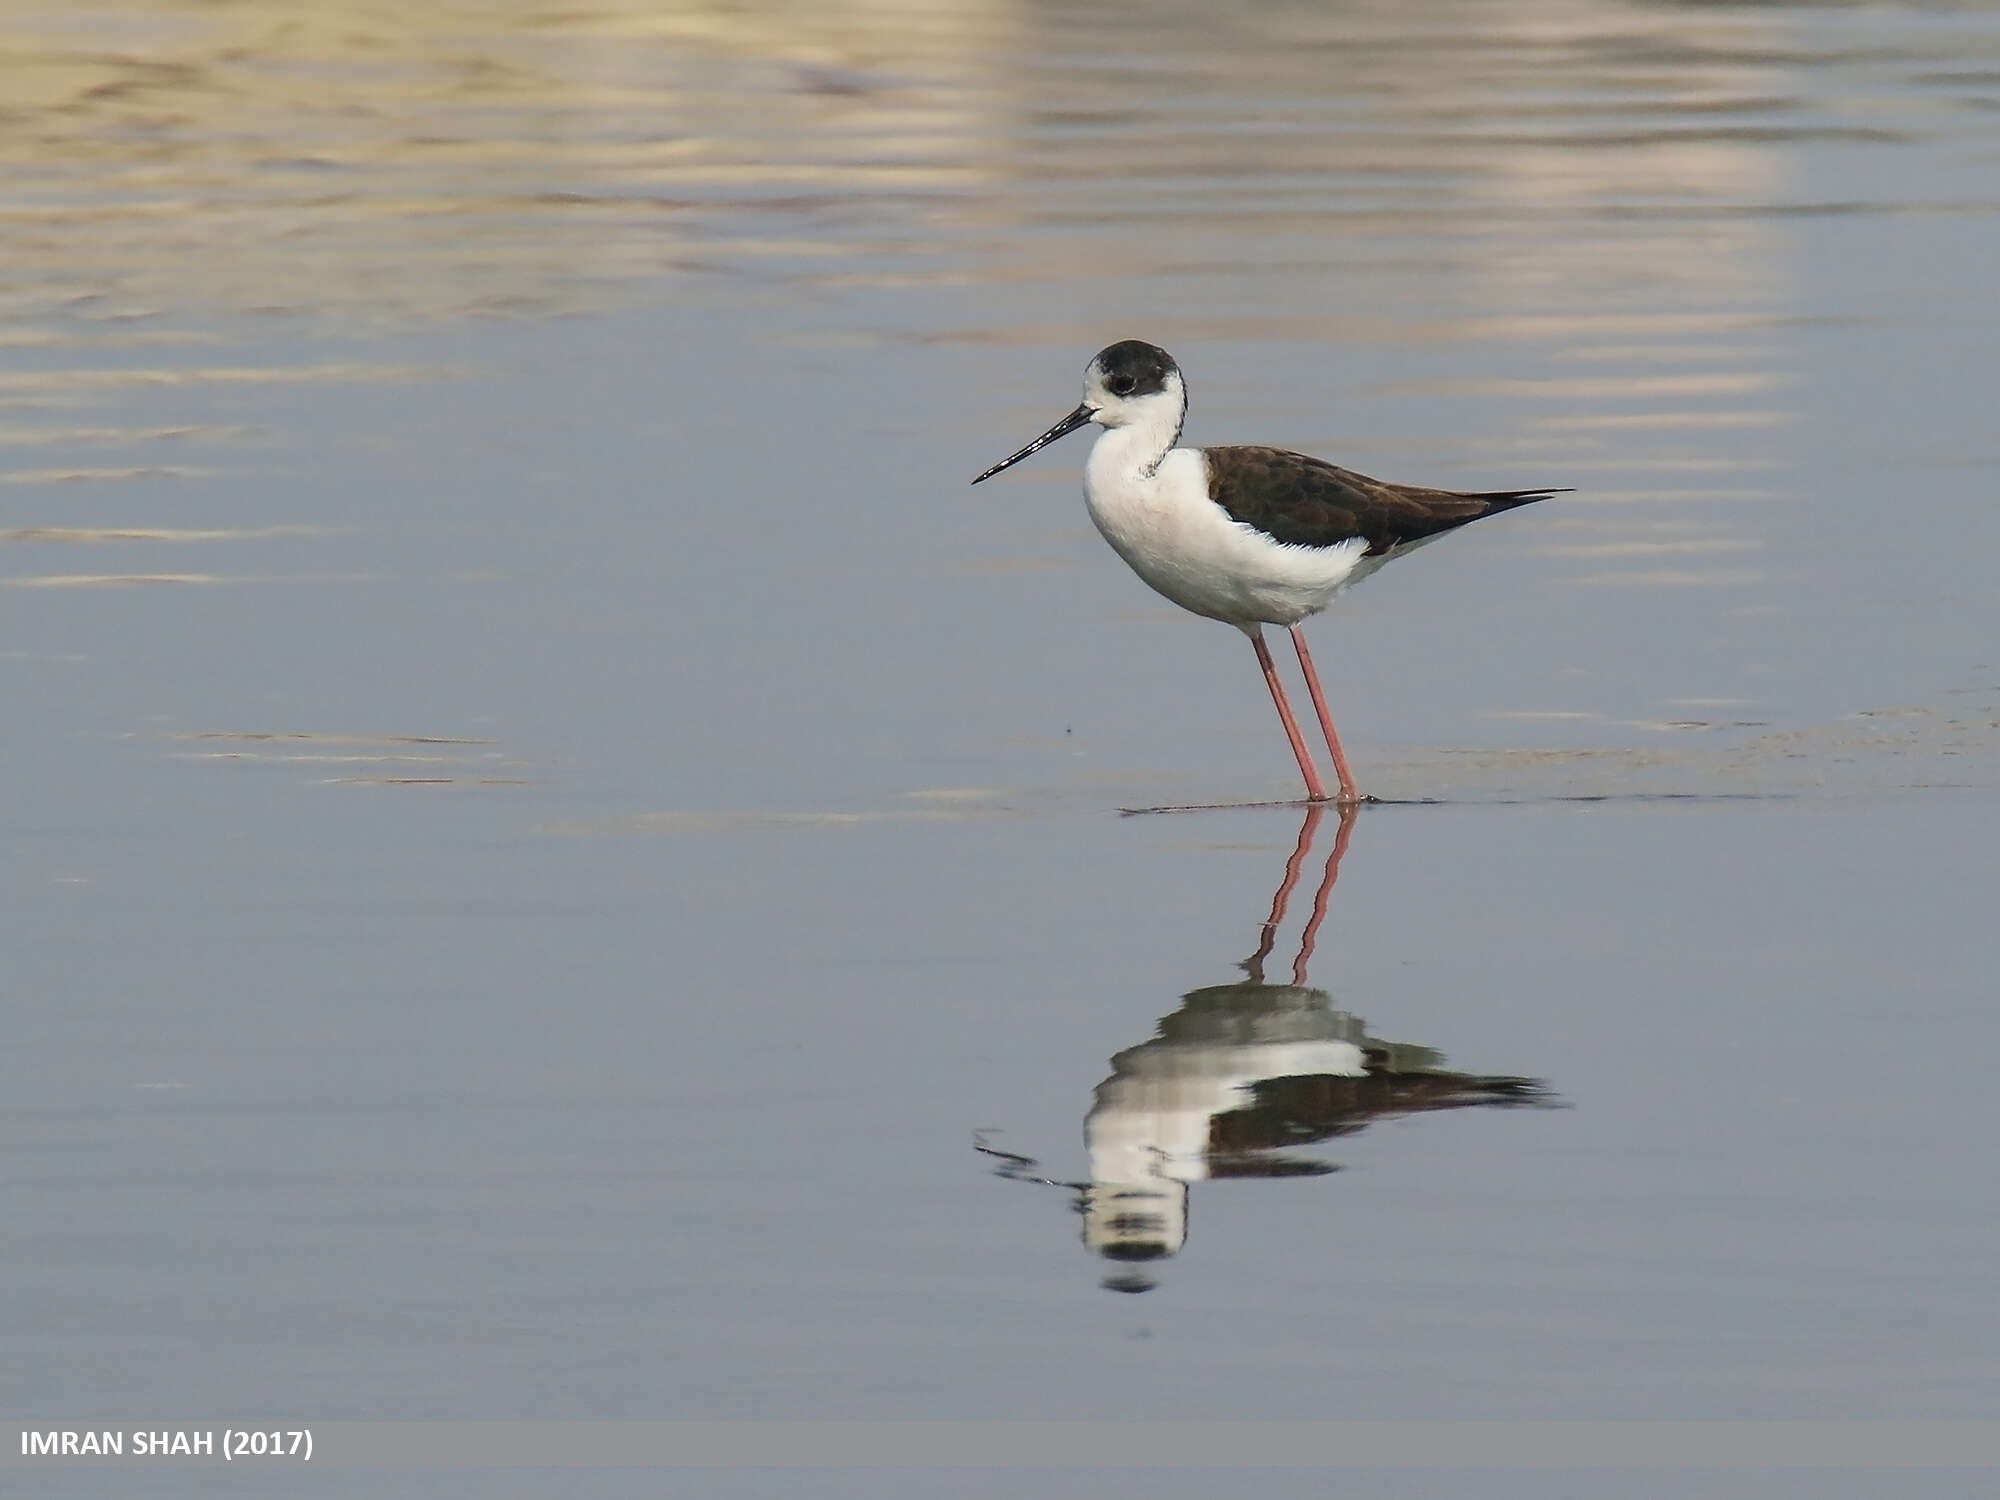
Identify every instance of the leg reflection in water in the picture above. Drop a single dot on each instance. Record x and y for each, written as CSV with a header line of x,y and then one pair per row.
x,y
1238,1077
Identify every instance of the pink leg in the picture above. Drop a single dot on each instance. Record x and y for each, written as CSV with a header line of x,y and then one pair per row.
x,y
1348,813
1254,965
1315,788
1348,791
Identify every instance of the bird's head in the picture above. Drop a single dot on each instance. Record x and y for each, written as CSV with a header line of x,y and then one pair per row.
x,y
1132,382
1126,383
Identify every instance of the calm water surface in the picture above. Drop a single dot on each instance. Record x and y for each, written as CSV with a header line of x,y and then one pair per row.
x,y
563,865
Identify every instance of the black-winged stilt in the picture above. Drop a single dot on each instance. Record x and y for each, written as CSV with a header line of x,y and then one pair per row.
x,y
1245,535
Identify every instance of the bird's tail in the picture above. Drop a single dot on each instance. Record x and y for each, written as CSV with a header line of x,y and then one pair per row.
x,y
1499,500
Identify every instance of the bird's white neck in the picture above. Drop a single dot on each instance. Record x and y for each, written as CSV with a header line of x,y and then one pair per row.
x,y
1145,432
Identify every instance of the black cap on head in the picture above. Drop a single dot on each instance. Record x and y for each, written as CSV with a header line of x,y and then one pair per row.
x,y
1133,367
1130,1283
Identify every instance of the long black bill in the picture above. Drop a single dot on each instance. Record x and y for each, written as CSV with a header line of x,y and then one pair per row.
x,y
1068,424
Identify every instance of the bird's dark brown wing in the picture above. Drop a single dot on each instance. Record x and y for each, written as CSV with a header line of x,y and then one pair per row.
x,y
1311,503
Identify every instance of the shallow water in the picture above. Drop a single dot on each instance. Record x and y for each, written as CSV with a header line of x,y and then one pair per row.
x,y
566,866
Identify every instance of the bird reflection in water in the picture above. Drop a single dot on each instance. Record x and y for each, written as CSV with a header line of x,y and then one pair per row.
x,y
1238,1077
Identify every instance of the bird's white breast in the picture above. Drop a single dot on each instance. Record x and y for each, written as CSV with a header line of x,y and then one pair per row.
x,y
1161,521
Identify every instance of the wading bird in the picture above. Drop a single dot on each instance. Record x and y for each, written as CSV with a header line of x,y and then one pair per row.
x,y
1248,536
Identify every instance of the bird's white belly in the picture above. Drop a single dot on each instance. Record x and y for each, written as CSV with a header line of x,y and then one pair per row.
x,y
1186,546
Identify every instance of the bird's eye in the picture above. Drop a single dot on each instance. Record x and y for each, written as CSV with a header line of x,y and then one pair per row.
x,y
1121,385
